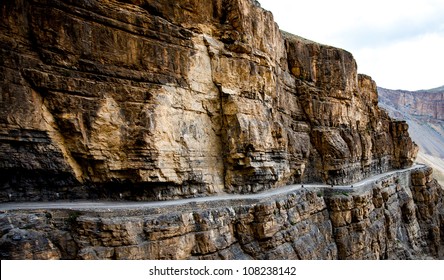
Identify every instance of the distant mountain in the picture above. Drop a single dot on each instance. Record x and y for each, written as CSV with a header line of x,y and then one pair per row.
x,y
423,104
433,90
424,112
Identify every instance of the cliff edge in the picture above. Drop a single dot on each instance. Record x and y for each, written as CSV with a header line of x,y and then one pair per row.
x,y
423,111
161,100
397,216
157,100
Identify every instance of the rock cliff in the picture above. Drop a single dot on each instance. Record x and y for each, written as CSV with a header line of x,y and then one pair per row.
x,y
399,216
164,99
424,113
428,104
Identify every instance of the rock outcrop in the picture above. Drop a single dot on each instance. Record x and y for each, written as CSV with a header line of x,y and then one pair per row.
x,y
390,220
160,100
397,217
424,113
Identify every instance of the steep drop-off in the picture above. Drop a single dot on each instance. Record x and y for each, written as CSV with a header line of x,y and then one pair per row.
x,y
424,113
399,216
425,104
165,99
160,100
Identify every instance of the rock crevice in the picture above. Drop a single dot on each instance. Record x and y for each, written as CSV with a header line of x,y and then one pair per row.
x,y
397,217
150,100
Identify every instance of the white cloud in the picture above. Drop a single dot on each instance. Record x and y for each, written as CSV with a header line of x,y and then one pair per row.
x,y
411,64
398,42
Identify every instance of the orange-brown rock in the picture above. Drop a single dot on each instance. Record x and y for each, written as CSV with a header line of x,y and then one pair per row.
x,y
399,217
145,99
390,220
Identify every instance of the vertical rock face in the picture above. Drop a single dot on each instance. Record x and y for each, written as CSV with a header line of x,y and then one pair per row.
x,y
428,104
167,99
424,112
398,217
390,220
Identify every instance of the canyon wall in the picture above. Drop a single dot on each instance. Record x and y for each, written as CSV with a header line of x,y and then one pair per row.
x,y
424,113
165,99
428,104
400,216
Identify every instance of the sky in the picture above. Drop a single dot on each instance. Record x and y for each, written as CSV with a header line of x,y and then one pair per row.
x,y
399,43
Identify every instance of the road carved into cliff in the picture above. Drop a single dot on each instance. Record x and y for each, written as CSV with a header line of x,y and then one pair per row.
x,y
115,205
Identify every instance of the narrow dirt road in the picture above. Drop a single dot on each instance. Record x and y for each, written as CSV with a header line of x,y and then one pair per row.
x,y
91,205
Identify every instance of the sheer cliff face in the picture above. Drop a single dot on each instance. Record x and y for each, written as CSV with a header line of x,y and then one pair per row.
x,y
427,104
165,99
424,112
399,217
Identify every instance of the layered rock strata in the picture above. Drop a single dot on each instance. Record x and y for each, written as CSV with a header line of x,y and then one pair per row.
x,y
424,113
425,104
158,100
397,217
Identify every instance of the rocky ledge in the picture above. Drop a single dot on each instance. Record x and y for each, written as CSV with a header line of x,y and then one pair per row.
x,y
399,216
163,100
155,100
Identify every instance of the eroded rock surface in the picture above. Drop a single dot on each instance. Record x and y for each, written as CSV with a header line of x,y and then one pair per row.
x,y
426,104
400,216
390,220
424,112
165,99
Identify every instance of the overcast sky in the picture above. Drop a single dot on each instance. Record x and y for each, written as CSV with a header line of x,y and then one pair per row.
x,y
400,43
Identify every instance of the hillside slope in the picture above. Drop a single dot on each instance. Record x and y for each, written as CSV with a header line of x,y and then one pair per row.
x,y
424,112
